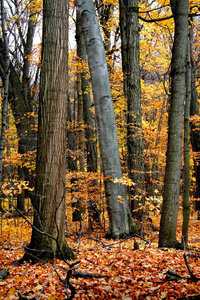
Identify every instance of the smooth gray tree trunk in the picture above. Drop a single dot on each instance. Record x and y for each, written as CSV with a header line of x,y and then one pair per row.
x,y
91,152
168,223
118,209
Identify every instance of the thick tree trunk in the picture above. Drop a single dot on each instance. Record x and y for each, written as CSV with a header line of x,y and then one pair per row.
x,y
90,143
119,213
168,223
129,28
50,206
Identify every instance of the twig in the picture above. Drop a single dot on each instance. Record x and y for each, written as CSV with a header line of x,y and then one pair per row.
x,y
192,276
121,241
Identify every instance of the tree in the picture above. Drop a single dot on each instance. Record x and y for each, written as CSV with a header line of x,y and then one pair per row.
x,y
19,96
186,167
48,233
168,223
194,114
91,152
118,209
6,82
129,28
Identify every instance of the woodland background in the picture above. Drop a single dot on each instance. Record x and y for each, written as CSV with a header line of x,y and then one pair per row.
x,y
132,268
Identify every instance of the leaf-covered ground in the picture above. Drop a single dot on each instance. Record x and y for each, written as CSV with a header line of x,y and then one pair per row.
x,y
128,273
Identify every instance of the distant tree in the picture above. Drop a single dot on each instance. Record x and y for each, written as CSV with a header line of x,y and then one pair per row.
x,y
6,72
168,223
120,220
19,95
50,202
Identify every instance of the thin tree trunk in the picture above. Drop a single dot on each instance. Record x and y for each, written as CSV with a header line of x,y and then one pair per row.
x,y
25,126
168,223
186,168
81,133
22,171
5,83
119,213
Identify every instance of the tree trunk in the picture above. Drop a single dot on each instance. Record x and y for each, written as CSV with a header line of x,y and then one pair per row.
x,y
90,144
186,168
25,125
118,209
50,206
194,126
168,223
91,152
71,162
129,28
81,135
5,84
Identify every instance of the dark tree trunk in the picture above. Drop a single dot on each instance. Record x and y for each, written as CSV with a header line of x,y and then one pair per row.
x,y
131,69
186,168
48,234
168,223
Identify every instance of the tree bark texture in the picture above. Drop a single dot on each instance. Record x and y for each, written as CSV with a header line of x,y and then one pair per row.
x,y
186,168
168,223
194,126
129,28
50,206
119,213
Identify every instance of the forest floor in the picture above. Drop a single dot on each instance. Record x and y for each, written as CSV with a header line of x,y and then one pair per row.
x,y
125,273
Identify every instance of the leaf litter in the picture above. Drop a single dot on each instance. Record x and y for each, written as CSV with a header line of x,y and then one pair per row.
x,y
126,273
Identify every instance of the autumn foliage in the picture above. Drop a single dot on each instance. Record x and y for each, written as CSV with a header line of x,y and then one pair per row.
x,y
126,273
133,268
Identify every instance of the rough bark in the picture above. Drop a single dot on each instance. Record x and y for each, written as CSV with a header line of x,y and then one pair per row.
x,y
129,28
119,213
50,206
194,126
186,168
168,223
